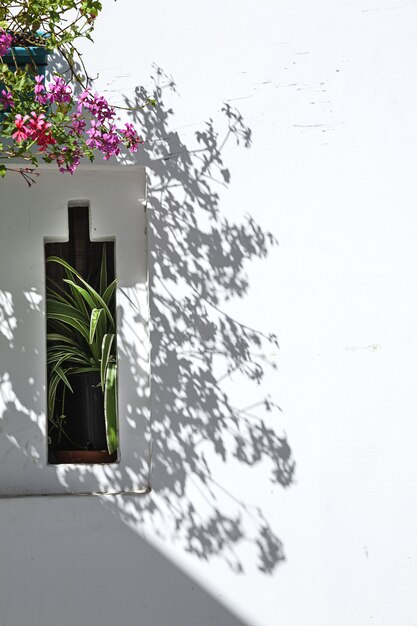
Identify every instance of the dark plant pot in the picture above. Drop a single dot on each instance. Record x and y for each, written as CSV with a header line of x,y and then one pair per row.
x,y
85,424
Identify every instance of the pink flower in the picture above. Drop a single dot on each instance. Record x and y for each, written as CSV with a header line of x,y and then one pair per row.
x,y
67,160
44,140
99,107
131,137
110,144
39,87
39,130
41,97
82,99
59,91
5,43
6,99
94,135
77,125
70,167
23,132
37,123
104,138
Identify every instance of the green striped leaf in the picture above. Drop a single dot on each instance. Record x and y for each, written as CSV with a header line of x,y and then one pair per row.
x,y
54,288
83,329
59,337
61,373
94,319
78,299
109,292
99,302
83,292
84,370
54,381
65,309
110,407
105,356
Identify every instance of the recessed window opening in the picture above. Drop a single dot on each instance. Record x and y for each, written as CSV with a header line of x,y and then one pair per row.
x,y
81,346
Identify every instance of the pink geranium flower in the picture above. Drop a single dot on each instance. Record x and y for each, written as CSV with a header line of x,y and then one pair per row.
x,y
83,99
23,132
59,90
94,134
40,94
78,125
100,108
39,130
37,123
131,137
6,99
5,43
63,127
44,140
39,83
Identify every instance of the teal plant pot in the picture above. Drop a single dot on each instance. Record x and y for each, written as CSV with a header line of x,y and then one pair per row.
x,y
34,56
28,56
21,56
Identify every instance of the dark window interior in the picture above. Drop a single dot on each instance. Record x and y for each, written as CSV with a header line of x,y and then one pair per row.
x,y
73,444
84,255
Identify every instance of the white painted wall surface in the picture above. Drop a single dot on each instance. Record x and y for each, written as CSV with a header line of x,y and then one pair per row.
x,y
328,92
30,217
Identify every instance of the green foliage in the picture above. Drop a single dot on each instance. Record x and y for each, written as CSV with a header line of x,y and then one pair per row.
x,y
62,22
81,335
54,123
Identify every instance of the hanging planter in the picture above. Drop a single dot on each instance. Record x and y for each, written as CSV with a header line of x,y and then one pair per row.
x,y
27,54
30,57
54,122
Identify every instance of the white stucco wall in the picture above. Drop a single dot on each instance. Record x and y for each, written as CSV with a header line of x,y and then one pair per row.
x,y
115,197
299,116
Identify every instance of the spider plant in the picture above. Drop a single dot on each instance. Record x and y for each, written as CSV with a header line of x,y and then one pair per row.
x,y
81,338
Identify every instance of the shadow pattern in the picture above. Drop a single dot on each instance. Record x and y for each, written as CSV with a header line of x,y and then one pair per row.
x,y
198,267
198,260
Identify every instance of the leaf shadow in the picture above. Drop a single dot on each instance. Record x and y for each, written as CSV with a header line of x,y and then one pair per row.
x,y
198,259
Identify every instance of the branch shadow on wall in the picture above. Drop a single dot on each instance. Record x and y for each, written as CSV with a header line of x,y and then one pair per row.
x,y
198,260
140,581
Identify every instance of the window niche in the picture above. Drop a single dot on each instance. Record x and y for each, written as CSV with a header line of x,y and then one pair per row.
x,y
81,346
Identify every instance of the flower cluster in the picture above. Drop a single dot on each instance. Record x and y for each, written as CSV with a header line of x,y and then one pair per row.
x,y
6,99
5,43
35,128
60,126
50,122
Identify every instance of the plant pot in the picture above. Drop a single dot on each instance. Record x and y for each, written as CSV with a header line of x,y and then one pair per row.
x,y
34,56
85,424
90,457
